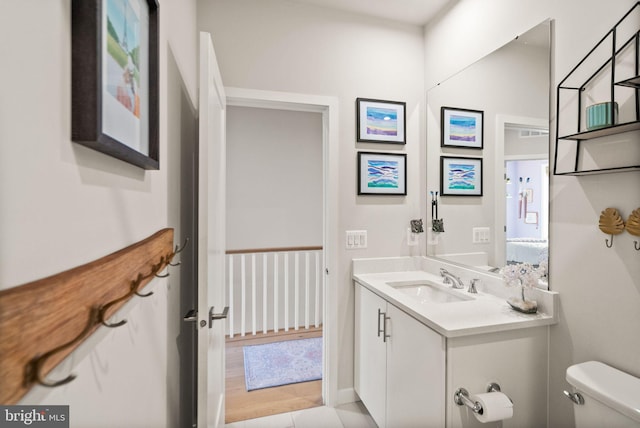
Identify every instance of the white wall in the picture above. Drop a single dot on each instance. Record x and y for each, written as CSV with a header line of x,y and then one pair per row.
x,y
62,205
274,178
284,46
599,287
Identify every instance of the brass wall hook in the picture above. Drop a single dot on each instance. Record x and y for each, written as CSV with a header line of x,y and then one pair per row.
x,y
611,223
633,226
33,371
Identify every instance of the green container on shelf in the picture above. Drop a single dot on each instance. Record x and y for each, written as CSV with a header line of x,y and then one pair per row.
x,y
602,115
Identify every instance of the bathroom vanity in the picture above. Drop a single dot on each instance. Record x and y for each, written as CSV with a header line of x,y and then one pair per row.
x,y
417,340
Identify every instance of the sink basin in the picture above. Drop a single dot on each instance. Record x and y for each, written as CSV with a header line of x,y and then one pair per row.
x,y
427,292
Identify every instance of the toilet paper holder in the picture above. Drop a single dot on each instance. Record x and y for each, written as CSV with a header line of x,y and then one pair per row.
x,y
461,397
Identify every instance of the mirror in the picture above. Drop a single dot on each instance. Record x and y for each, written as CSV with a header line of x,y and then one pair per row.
x,y
505,220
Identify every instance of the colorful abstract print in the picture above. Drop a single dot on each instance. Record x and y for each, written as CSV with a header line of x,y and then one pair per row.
x,y
123,59
382,174
462,128
462,177
382,121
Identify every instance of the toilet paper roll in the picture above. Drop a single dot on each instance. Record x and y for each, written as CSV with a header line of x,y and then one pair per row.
x,y
496,406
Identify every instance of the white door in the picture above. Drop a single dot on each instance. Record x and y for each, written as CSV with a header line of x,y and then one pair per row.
x,y
211,239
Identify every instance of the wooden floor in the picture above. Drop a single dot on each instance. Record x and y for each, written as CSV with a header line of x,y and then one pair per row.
x,y
242,404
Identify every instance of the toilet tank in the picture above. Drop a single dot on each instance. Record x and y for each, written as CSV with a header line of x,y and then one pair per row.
x,y
611,397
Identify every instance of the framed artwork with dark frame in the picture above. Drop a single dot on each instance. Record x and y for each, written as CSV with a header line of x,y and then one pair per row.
x,y
382,173
114,89
461,128
380,121
460,176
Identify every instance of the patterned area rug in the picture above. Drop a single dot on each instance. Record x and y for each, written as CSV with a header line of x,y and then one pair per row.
x,y
282,363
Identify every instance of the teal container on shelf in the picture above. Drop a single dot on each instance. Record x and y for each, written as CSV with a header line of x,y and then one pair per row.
x,y
602,115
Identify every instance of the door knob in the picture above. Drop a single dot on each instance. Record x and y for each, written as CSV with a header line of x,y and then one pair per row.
x,y
220,316
192,316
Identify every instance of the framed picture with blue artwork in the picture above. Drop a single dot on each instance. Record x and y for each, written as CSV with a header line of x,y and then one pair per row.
x,y
460,176
382,173
380,121
462,128
114,78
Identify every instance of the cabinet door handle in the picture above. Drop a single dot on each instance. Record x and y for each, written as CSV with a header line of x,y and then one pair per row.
x,y
385,336
383,314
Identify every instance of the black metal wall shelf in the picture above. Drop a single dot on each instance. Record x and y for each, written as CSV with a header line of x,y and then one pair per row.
x,y
603,132
600,171
577,91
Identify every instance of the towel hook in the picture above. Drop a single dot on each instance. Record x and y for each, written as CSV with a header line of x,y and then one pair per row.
x,y
611,223
606,242
33,372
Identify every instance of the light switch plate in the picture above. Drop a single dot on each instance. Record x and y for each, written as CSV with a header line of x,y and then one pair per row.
x,y
481,235
356,239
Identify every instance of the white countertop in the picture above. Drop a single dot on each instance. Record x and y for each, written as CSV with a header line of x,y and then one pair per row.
x,y
486,313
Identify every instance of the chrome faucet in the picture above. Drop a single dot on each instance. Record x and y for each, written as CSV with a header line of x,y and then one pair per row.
x,y
450,278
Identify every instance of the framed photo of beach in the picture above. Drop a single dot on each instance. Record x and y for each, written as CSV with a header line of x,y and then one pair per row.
x,y
114,91
380,121
462,128
460,176
382,173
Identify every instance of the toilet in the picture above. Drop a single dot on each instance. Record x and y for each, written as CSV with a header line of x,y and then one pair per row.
x,y
611,397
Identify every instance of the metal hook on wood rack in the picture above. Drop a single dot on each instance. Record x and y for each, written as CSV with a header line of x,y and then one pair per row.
x,y
33,372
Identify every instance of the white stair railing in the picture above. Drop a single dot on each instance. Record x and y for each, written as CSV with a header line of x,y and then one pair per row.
x,y
274,289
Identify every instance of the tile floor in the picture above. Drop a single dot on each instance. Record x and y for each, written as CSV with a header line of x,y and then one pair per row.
x,y
352,415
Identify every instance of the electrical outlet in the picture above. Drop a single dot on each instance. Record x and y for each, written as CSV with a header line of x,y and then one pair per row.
x,y
356,239
481,235
412,238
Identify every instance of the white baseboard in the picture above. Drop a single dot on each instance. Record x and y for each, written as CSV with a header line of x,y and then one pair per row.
x,y
347,395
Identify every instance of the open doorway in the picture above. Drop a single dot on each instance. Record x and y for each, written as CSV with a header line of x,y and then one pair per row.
x,y
275,218
527,210
526,200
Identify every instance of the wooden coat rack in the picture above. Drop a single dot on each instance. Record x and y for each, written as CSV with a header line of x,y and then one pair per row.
x,y
43,321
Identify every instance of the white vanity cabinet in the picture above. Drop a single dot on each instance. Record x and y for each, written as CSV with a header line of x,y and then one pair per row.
x,y
399,365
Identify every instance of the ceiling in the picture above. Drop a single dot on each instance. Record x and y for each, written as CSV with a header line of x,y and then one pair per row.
x,y
417,12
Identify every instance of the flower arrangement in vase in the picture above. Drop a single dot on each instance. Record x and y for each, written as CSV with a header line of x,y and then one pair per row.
x,y
523,275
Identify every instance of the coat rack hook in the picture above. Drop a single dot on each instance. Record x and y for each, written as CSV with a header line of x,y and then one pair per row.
x,y
162,276
181,249
174,264
102,312
136,284
33,372
607,243
636,245
118,324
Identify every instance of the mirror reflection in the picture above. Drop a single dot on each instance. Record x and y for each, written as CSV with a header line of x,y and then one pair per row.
x,y
508,222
